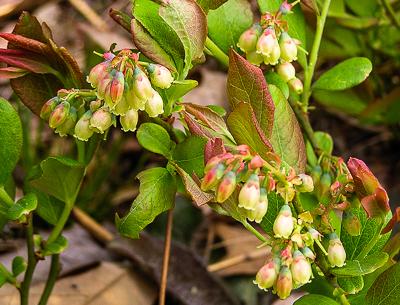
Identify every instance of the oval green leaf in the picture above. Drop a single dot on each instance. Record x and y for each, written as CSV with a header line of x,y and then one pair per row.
x,y
154,138
22,207
386,288
362,267
315,299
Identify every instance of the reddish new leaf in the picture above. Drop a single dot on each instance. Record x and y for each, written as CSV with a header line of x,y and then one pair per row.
x,y
395,219
195,128
121,18
214,147
12,72
207,116
246,83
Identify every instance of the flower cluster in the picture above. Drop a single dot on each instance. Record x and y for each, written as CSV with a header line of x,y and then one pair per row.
x,y
123,87
268,42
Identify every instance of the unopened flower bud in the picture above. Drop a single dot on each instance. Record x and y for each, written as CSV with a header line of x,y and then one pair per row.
x,y
285,8
129,120
83,131
68,126
273,57
301,268
254,58
261,209
96,104
121,107
267,42
248,40
267,274
115,90
288,47
101,120
307,184
336,252
307,252
250,193
108,56
226,187
59,114
296,85
315,235
286,70
160,76
141,85
284,224
49,107
256,162
155,105
103,85
351,223
97,73
284,283
212,177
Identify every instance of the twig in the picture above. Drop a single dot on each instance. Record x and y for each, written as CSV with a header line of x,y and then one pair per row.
x,y
89,14
210,240
167,251
51,279
236,260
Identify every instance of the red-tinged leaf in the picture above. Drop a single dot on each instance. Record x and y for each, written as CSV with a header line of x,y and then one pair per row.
x,y
195,128
121,18
207,116
26,43
74,71
365,181
246,83
198,196
376,205
395,219
12,72
35,89
28,26
245,129
149,47
214,147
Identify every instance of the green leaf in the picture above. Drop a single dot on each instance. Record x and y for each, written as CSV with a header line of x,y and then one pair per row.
x,y
386,288
344,75
345,101
154,138
365,8
156,195
210,4
324,142
56,247
351,285
49,208
287,139
179,89
246,83
275,202
245,129
230,207
356,244
189,22
361,267
10,138
22,207
315,299
18,265
59,177
273,78
234,17
189,155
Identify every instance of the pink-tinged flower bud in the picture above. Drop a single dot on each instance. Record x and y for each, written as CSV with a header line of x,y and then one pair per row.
x,y
267,42
68,126
250,193
267,275
307,252
285,8
103,85
160,76
256,162
284,283
141,85
97,73
296,85
301,269
314,234
351,223
129,120
49,107
288,47
132,99
307,184
261,209
336,252
83,131
155,105
96,104
216,160
284,224
286,70
273,57
254,58
121,107
248,40
212,177
101,120
226,187
115,90
108,56
373,196
59,114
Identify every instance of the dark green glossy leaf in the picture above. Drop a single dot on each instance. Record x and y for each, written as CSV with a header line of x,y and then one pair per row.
x,y
361,267
346,101
22,207
351,285
386,288
18,265
315,299
56,247
154,138
189,155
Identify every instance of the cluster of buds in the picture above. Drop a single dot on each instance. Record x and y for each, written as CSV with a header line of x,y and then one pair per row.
x,y
268,42
123,87
254,178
